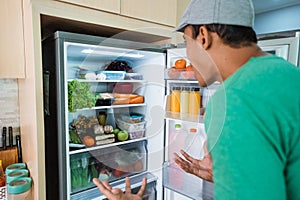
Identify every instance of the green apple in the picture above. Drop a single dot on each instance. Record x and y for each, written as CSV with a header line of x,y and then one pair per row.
x,y
122,135
116,131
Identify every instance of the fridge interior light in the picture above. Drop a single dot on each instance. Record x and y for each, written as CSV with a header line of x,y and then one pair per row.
x,y
110,53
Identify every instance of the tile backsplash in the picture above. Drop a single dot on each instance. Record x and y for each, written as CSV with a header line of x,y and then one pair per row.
x,y
9,106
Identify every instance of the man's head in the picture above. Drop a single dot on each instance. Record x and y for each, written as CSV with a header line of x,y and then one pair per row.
x,y
209,23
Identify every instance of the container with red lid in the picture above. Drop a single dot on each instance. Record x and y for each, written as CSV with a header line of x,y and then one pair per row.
x,y
123,88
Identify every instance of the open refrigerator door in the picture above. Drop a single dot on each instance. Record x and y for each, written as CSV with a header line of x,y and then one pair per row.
x,y
185,105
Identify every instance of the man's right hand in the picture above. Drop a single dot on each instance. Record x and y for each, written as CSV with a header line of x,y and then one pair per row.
x,y
201,168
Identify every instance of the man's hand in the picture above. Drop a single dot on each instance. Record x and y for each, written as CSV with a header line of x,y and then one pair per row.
x,y
118,194
201,168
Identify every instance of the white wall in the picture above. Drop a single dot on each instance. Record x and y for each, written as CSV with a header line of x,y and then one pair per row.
x,y
278,20
9,107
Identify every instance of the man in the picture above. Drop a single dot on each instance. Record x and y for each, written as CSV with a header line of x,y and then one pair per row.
x,y
252,121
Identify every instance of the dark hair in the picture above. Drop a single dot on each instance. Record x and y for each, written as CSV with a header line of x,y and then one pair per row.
x,y
232,35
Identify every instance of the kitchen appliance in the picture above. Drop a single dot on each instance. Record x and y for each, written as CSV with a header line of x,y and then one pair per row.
x,y
69,112
283,44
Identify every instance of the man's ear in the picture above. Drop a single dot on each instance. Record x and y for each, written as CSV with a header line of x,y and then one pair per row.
x,y
204,37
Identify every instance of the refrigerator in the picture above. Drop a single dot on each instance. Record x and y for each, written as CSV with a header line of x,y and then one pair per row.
x,y
97,88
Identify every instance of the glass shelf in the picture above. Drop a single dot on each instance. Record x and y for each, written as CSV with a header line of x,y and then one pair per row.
x,y
81,150
108,81
112,106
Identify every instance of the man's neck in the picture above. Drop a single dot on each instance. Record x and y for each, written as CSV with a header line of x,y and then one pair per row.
x,y
231,59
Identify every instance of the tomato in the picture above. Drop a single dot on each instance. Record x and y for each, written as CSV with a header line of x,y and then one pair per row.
x,y
188,74
180,64
189,68
172,73
138,166
117,172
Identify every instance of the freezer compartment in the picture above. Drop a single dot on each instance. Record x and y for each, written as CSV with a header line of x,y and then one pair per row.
x,y
111,164
175,179
135,180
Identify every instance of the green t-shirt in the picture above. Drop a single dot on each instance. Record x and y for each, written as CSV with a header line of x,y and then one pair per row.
x,y
253,129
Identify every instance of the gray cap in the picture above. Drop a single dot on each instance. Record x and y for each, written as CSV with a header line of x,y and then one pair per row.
x,y
230,12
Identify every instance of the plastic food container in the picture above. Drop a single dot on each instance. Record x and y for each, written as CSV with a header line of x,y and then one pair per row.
x,y
136,134
104,101
87,74
129,126
132,118
123,88
133,76
113,75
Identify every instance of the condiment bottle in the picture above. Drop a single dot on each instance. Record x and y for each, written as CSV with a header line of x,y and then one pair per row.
x,y
175,99
194,101
110,118
184,100
2,175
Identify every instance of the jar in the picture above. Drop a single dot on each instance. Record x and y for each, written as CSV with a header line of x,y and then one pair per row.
x,y
19,189
18,173
14,167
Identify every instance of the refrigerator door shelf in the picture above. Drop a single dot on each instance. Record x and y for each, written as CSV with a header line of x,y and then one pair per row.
x,y
175,179
182,116
136,180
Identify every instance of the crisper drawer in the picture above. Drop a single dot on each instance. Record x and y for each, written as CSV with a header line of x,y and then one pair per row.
x,y
135,180
111,164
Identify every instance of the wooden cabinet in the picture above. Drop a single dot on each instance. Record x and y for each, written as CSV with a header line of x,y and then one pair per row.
x,y
12,50
106,5
158,11
181,6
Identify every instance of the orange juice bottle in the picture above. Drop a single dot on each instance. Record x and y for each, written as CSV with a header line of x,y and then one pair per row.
x,y
194,101
175,99
184,100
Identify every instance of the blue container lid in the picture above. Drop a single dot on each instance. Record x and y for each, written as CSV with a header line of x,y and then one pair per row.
x,y
16,174
14,166
19,185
